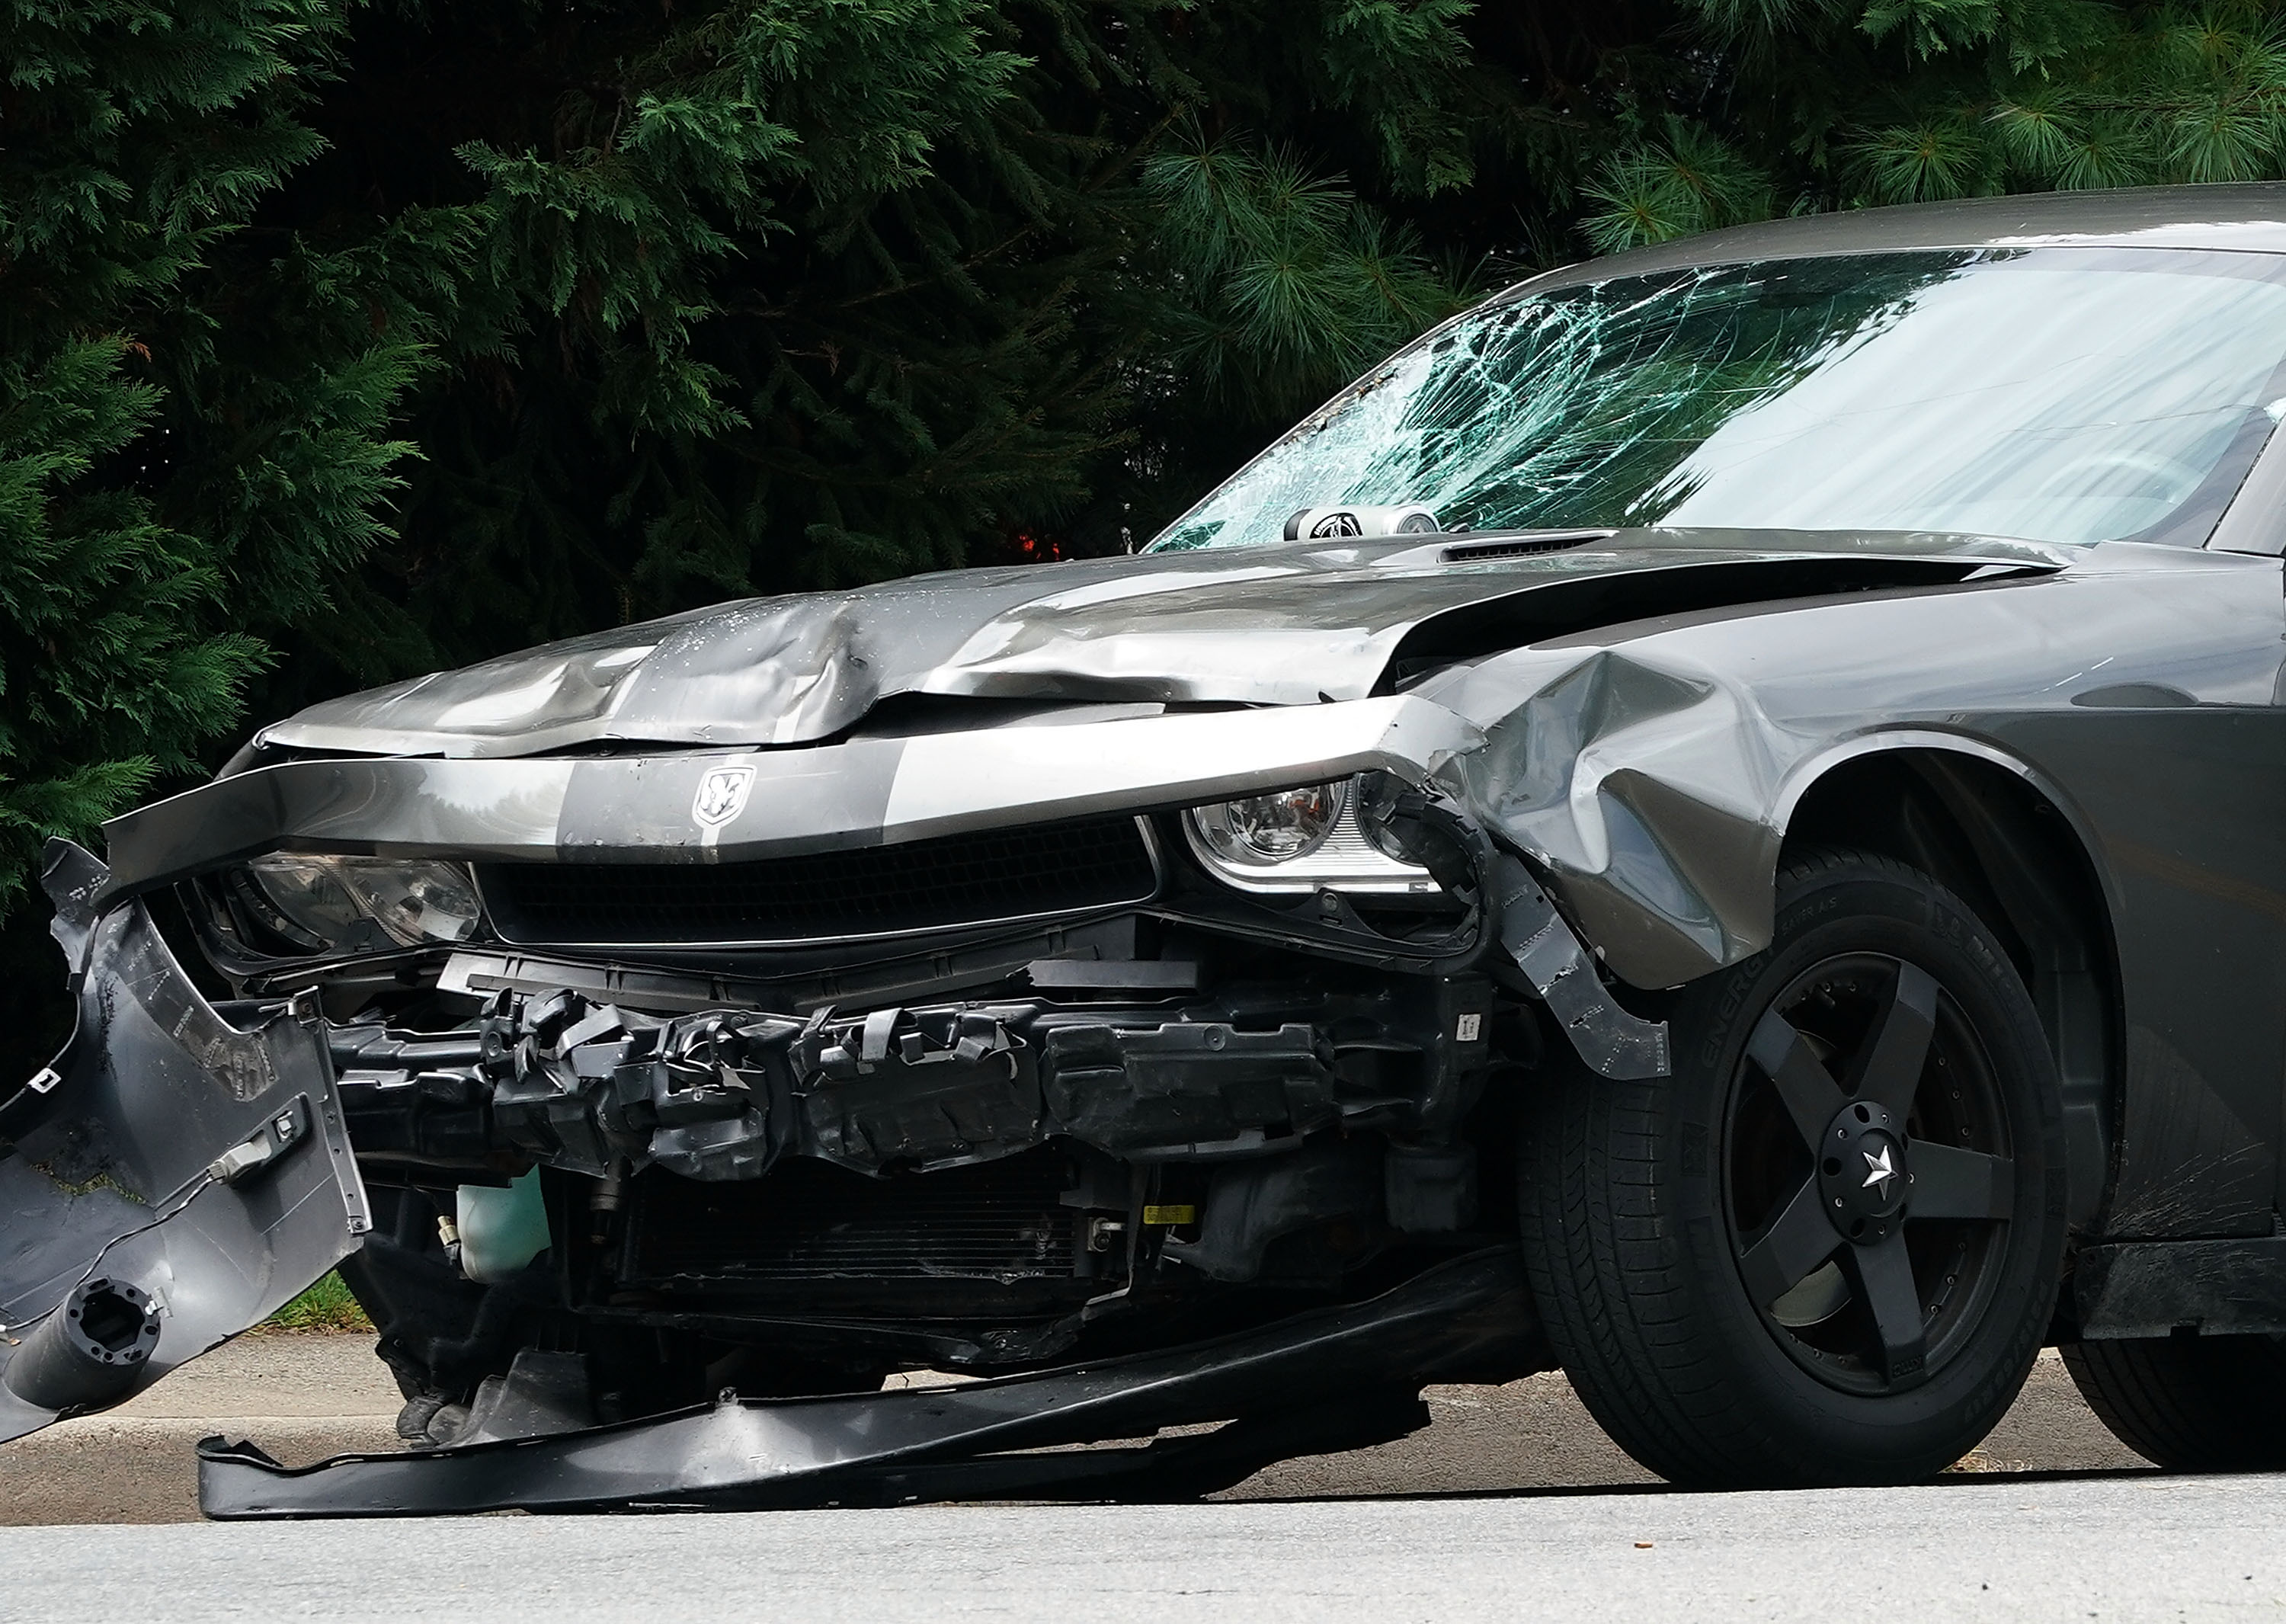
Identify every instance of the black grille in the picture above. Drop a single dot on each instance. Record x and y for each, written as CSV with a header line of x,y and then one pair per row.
x,y
810,1221
924,885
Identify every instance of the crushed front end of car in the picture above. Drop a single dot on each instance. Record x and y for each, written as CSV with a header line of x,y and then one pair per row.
x,y
1141,1057
1124,994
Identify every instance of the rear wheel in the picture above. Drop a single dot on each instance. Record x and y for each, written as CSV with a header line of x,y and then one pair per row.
x,y
1826,1249
2192,1403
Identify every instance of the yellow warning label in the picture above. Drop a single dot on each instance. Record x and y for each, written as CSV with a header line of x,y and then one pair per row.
x,y
1171,1215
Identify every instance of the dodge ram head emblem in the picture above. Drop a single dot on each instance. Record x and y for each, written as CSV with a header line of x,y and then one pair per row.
x,y
721,796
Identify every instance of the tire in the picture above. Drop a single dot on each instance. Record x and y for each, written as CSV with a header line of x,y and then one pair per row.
x,y
2190,1403
1739,1312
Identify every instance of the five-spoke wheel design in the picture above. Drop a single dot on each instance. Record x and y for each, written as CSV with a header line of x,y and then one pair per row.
x,y
1826,1248
1868,1161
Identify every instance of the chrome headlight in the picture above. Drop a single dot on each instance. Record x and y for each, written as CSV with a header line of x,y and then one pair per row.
x,y
1317,836
336,900
1265,831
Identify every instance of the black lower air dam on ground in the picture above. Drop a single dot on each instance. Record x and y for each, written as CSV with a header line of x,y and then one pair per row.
x,y
1334,1378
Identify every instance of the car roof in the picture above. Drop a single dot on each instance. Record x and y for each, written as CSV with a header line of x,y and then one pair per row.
x,y
2250,218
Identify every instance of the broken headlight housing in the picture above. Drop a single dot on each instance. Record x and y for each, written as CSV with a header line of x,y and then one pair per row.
x,y
328,904
1316,837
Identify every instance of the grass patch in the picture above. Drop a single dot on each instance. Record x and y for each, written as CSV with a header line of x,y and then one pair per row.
x,y
326,1306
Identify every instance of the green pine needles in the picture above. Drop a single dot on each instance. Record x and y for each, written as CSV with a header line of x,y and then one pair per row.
x,y
158,504
1803,104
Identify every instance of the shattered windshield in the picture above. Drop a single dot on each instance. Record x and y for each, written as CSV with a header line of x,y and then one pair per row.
x,y
2063,395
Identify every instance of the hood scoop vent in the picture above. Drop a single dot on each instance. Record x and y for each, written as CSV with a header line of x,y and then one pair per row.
x,y
1519,546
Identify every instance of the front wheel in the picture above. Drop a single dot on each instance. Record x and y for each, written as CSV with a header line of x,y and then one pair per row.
x,y
1826,1249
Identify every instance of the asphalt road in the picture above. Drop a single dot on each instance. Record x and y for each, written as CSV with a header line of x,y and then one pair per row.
x,y
1986,1547
1511,1505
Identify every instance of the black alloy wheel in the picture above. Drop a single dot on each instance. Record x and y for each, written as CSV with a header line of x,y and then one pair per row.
x,y
1868,1162
1826,1249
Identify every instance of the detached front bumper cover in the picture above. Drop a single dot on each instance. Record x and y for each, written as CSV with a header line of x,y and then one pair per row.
x,y
1330,1379
177,1176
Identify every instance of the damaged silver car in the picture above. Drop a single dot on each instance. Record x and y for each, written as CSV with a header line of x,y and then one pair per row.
x,y
1712,823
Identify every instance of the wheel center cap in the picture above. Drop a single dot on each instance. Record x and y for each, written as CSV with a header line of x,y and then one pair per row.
x,y
1862,1174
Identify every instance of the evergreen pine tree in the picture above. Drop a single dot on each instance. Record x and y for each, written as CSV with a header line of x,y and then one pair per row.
x,y
1802,105
166,485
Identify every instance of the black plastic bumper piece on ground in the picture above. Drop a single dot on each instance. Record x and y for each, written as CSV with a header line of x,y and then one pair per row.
x,y
1334,1378
178,1174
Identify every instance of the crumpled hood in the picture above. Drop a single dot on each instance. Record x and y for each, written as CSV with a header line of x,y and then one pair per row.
x,y
1290,625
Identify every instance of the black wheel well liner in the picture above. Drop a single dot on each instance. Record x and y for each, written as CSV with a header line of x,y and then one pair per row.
x,y
2002,848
